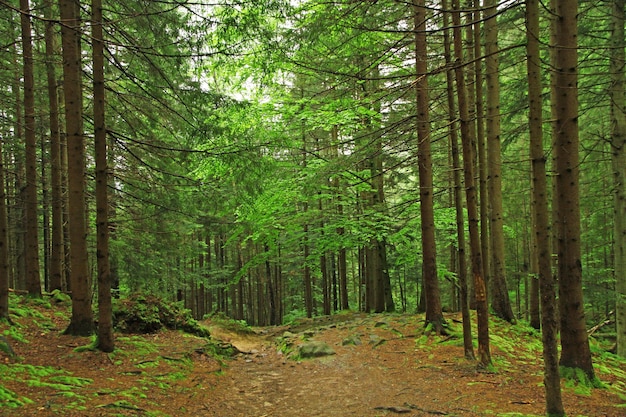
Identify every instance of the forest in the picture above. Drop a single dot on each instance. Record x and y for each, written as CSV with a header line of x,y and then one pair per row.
x,y
270,161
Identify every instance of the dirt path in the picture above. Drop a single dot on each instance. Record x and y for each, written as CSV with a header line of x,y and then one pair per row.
x,y
392,371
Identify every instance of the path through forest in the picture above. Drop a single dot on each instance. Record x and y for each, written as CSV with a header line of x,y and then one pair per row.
x,y
383,365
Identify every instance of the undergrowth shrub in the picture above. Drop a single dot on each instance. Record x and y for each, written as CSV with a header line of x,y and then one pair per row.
x,y
141,313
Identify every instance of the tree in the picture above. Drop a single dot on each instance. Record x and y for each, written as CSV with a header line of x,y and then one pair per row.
x,y
4,246
484,354
81,322
468,345
541,223
434,316
105,313
57,245
33,279
618,148
500,301
575,352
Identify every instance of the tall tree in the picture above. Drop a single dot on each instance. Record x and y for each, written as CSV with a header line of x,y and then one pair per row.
x,y
468,344
4,245
500,301
57,254
575,352
484,354
618,148
541,216
82,315
105,313
33,278
434,315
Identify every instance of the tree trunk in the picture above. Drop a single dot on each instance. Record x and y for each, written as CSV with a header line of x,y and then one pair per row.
x,y
484,355
57,246
575,351
434,316
4,245
33,278
500,302
618,148
82,316
17,218
468,346
541,216
106,342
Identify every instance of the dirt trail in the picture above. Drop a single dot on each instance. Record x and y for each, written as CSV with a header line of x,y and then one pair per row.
x,y
389,373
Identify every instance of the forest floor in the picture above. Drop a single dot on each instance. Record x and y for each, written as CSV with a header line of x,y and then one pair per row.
x,y
383,365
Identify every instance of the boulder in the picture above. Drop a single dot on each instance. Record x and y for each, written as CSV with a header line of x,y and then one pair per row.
x,y
315,349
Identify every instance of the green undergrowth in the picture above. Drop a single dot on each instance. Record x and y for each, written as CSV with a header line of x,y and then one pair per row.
x,y
59,381
141,313
225,322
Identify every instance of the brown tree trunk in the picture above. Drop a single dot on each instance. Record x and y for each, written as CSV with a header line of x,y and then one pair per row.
x,y
618,148
541,216
82,316
33,277
106,341
575,351
57,246
17,221
484,354
434,315
500,302
4,245
468,345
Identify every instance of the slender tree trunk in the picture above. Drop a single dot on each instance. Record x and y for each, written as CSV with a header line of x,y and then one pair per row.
x,y
57,246
82,316
575,351
541,218
18,220
4,244
500,302
106,342
33,278
474,31
468,346
484,354
618,148
434,316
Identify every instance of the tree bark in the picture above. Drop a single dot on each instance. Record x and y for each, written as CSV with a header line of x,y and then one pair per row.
x,y
500,302
4,244
575,351
468,345
82,316
618,148
484,354
57,254
33,277
541,218
434,315
106,342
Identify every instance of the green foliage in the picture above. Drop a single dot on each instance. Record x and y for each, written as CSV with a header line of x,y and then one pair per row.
x,y
577,379
14,333
11,400
147,314
238,326
40,377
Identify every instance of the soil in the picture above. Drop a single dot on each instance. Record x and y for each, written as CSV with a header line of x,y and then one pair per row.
x,y
384,365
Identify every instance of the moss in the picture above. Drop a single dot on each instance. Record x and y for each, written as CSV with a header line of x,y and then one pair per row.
x,y
576,377
141,313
